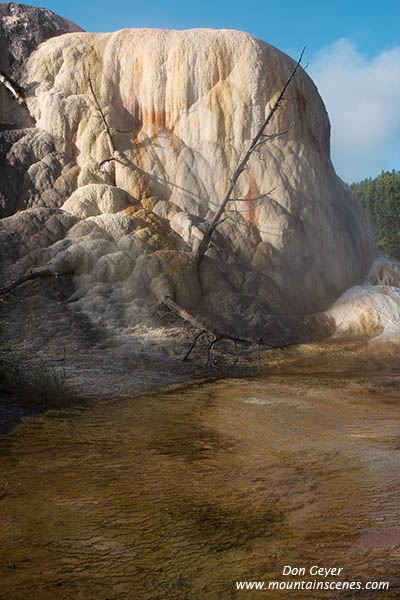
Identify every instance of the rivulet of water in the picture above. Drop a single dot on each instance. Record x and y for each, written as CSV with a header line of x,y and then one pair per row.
x,y
178,496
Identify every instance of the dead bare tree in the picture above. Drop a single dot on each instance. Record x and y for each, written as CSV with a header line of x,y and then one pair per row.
x,y
259,140
213,334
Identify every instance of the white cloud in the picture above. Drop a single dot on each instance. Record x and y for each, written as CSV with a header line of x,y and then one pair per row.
x,y
362,96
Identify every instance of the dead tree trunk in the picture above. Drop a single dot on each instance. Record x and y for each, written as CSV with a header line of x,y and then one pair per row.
x,y
256,142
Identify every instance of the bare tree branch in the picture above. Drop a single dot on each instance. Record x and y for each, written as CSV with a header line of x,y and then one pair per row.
x,y
196,337
115,155
37,274
215,334
102,115
12,87
261,197
205,242
274,135
110,159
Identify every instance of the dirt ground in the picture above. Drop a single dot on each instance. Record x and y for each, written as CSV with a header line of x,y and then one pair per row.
x,y
38,325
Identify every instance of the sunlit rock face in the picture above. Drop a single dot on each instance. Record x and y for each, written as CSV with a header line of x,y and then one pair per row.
x,y
182,107
372,309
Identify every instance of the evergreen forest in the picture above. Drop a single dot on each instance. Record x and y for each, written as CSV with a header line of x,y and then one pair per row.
x,y
381,200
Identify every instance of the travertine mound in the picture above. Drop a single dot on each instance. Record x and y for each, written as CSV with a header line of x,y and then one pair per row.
x,y
182,107
372,309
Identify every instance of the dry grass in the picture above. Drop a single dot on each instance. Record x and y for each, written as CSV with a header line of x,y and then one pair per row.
x,y
45,387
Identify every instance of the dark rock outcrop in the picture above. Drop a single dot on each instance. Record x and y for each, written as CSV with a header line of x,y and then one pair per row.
x,y
22,29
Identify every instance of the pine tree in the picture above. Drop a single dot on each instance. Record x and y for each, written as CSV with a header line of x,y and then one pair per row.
x,y
381,200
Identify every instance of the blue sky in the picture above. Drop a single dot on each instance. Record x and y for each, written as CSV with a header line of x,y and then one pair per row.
x,y
353,50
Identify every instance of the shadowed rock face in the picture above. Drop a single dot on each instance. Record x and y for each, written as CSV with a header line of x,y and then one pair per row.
x,y
183,106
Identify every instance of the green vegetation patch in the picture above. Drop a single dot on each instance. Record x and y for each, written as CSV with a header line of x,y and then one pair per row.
x,y
381,200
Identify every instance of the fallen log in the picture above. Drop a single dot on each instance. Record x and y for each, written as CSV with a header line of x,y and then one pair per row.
x,y
214,335
37,274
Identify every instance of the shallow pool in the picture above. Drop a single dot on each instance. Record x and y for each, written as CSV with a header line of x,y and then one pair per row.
x,y
174,496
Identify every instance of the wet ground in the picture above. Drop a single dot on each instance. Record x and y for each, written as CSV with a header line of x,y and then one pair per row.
x,y
175,496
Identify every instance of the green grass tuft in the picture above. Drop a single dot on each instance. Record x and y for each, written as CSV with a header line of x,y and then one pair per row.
x,y
47,387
